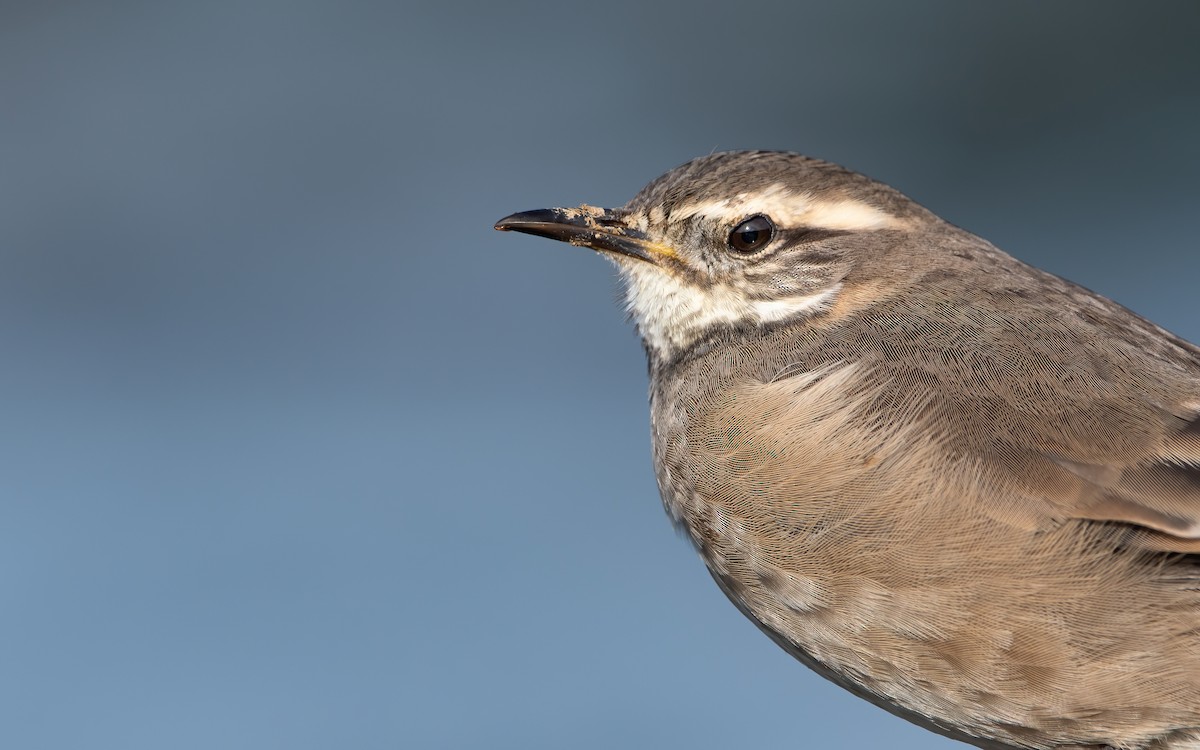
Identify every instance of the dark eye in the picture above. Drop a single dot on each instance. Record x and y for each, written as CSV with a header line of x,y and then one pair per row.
x,y
751,235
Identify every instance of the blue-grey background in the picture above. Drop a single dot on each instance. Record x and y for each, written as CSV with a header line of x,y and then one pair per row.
x,y
298,453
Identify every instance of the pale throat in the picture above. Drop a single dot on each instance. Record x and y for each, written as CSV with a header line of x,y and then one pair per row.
x,y
672,314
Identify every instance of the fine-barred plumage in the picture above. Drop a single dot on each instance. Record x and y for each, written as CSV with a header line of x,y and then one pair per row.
x,y
961,487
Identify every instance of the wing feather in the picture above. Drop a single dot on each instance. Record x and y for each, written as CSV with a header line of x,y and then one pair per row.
x,y
1159,494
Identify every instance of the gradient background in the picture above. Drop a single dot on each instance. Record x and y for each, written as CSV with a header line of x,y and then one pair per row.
x,y
299,453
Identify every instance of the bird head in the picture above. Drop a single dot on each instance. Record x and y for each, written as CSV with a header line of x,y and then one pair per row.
x,y
735,240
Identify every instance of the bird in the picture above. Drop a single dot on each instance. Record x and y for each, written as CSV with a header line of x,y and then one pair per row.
x,y
959,486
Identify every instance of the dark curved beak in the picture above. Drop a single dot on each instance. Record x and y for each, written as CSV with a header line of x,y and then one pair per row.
x,y
587,226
